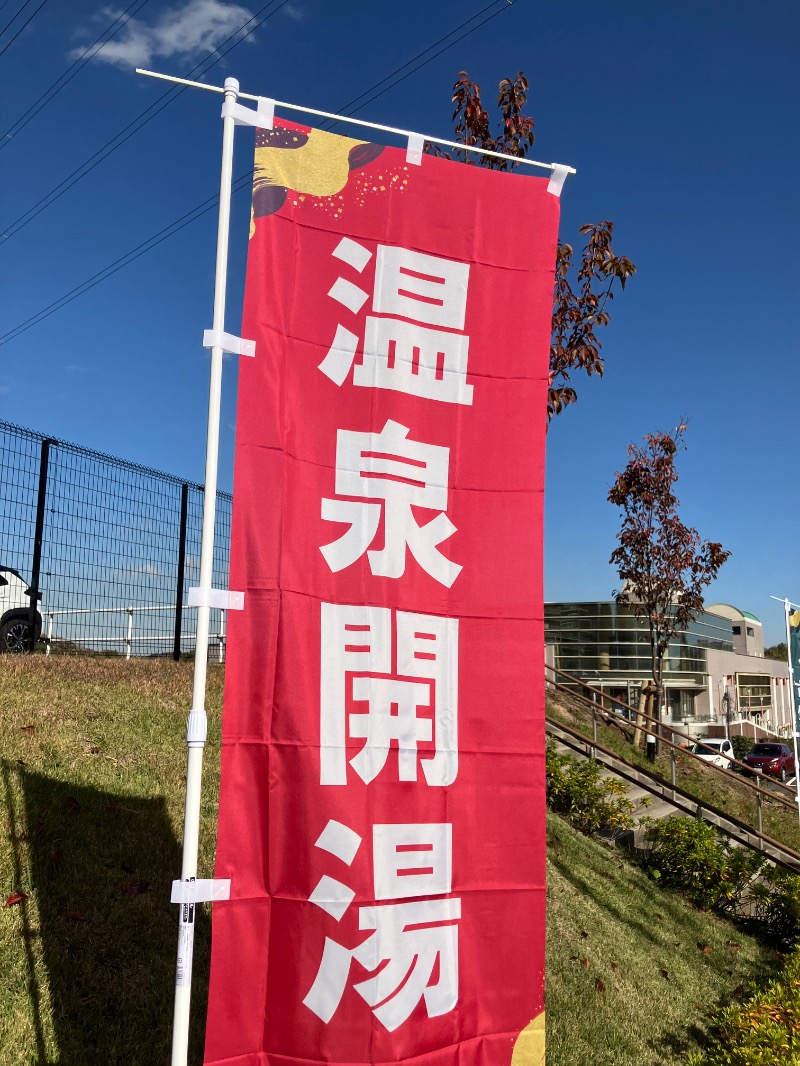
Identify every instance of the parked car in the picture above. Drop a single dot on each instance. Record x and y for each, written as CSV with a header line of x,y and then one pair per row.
x,y
717,752
15,607
774,759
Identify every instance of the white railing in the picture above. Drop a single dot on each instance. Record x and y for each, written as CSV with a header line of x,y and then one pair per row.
x,y
217,639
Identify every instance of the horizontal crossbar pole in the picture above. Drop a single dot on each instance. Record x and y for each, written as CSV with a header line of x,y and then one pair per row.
x,y
359,122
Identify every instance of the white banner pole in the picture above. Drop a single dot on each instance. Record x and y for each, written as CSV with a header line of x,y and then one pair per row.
x,y
794,702
196,726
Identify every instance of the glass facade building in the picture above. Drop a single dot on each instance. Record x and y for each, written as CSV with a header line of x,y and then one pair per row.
x,y
605,645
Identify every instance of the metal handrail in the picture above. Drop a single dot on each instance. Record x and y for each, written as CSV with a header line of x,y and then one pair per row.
x,y
790,858
648,719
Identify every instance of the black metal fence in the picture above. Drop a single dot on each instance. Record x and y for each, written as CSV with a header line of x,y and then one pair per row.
x,y
107,549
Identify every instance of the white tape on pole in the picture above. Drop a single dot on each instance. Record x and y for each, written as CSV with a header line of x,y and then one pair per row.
x,y
203,890
416,142
221,599
263,117
214,338
559,176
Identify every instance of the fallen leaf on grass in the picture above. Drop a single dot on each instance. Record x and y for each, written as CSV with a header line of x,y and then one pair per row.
x,y
16,897
614,966
732,945
665,974
21,762
27,729
137,890
75,916
94,750
598,984
705,948
585,964
584,934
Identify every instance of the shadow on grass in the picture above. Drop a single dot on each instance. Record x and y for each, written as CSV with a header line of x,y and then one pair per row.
x,y
100,869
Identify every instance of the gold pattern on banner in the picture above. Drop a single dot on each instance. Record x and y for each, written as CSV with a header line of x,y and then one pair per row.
x,y
529,1045
320,167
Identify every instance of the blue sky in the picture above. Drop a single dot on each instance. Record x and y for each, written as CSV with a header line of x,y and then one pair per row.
x,y
680,118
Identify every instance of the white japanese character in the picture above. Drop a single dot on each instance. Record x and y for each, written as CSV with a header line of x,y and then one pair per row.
x,y
403,474
410,938
358,640
404,356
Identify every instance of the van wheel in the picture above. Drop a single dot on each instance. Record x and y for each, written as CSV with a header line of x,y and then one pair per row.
x,y
15,636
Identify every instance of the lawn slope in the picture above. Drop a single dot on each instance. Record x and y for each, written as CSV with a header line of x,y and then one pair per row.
x,y
632,968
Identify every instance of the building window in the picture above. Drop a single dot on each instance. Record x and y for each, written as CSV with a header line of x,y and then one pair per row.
x,y
737,631
750,632
753,692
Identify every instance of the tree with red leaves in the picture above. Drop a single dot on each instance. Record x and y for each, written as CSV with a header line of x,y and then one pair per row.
x,y
582,291
663,564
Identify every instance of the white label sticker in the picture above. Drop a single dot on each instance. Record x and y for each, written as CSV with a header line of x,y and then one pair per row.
x,y
183,974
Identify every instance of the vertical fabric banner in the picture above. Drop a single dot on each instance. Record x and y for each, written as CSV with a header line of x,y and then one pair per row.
x,y
382,809
793,634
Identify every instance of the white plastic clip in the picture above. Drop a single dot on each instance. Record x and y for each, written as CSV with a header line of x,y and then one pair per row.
x,y
214,338
221,599
263,116
416,142
557,179
200,891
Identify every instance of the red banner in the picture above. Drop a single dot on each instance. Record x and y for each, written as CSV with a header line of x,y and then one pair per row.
x,y
382,808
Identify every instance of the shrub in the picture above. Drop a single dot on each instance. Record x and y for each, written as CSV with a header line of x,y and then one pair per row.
x,y
764,1031
741,746
777,906
589,801
687,854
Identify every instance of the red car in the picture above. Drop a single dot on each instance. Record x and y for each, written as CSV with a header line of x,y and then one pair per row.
x,y
775,759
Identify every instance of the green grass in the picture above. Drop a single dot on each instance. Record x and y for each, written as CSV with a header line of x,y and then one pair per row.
x,y
92,760
631,968
93,764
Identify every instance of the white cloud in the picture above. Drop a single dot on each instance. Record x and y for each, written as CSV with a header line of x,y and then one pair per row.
x,y
185,32
294,11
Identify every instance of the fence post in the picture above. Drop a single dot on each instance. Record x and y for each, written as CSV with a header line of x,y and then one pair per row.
x,y
38,537
672,756
176,649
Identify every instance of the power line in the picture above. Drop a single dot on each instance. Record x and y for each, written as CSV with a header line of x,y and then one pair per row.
x,y
240,183
15,17
351,104
53,90
22,27
139,122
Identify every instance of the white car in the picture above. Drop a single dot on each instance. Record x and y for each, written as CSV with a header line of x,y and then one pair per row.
x,y
717,752
15,608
